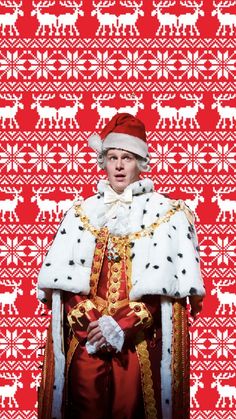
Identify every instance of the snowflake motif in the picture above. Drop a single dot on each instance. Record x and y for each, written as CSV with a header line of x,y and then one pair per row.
x,y
72,158
193,157
102,65
223,65
163,158
12,251
192,65
42,65
42,158
222,251
12,344
72,64
37,250
133,65
11,157
197,343
36,343
12,64
222,344
223,158
162,65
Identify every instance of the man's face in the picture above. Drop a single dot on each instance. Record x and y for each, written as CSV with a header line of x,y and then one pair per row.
x,y
121,167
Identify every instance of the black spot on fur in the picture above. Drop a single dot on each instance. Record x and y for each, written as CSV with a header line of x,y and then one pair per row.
x,y
192,291
156,267
161,203
167,401
129,206
169,259
197,260
69,277
154,244
47,264
71,262
142,226
81,228
168,350
198,248
147,266
147,199
169,236
189,236
98,196
132,256
44,300
54,387
180,255
82,261
56,279
177,294
184,271
164,291
144,190
144,211
78,240
176,276
131,244
174,227
157,215
63,231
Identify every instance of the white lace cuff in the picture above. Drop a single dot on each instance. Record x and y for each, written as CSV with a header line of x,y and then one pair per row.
x,y
112,332
91,348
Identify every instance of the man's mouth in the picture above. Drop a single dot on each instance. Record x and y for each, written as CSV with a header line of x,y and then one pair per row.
x,y
119,176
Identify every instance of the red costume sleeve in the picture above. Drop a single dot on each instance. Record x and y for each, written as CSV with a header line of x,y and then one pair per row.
x,y
80,312
139,315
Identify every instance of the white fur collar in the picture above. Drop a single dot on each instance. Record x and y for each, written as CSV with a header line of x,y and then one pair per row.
x,y
139,187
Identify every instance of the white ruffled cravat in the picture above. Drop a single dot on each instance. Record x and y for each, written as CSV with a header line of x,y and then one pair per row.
x,y
111,197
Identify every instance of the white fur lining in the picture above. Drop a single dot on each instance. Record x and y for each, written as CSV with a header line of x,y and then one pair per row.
x,y
166,382
126,142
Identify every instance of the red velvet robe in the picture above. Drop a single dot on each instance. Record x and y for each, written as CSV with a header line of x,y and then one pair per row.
x,y
113,385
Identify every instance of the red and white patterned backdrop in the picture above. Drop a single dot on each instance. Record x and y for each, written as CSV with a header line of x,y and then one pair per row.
x,y
66,67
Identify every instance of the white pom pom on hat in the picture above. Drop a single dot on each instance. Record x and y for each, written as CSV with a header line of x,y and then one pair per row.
x,y
123,131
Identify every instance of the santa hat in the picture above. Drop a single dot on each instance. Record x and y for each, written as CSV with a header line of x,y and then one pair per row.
x,y
123,131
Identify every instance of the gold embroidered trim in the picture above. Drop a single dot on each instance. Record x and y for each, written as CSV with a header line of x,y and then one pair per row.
x,y
146,379
148,231
142,312
98,257
79,311
180,362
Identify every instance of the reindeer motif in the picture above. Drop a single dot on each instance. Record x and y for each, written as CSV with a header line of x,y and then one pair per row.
x,y
10,19
193,203
190,19
130,19
10,112
166,20
133,110
69,19
225,112
165,112
9,298
190,112
225,298
36,383
225,205
40,306
194,389
69,112
105,19
46,20
45,205
9,391
105,113
9,205
226,20
46,113
64,205
225,391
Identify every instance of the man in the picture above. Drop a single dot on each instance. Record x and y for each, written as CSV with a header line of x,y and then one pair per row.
x,y
119,271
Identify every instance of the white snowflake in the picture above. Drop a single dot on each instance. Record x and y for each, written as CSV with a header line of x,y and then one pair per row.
x,y
163,157
223,158
133,64
12,251
11,157
197,344
42,157
42,65
223,65
72,64
72,158
12,64
192,65
36,343
222,251
162,65
222,344
37,250
193,157
12,344
102,65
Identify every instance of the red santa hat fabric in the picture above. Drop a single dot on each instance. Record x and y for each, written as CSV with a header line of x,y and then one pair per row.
x,y
123,131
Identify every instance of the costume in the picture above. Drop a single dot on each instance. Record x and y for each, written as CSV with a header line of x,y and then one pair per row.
x,y
131,259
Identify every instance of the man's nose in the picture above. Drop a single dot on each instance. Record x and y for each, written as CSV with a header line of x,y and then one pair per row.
x,y
119,164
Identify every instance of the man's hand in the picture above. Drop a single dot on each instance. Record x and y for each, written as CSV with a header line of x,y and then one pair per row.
x,y
196,302
95,335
